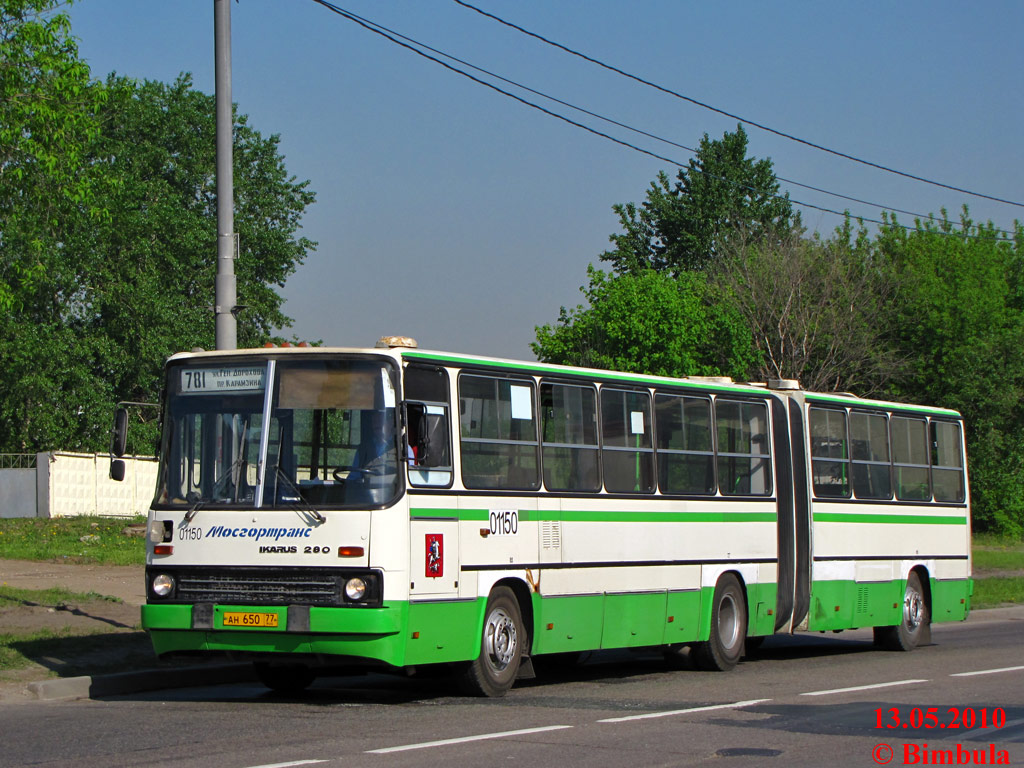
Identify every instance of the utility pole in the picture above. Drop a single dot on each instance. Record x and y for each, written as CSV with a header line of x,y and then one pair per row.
x,y
226,296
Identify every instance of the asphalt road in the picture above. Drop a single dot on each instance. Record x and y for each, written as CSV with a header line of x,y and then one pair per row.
x,y
807,701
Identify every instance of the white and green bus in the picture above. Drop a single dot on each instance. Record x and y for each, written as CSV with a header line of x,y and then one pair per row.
x,y
320,507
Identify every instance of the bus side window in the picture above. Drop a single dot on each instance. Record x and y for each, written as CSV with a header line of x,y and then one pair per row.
x,y
830,456
427,419
947,462
910,458
744,462
872,470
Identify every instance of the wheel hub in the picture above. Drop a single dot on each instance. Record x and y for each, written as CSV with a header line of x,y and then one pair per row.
x,y
501,639
913,609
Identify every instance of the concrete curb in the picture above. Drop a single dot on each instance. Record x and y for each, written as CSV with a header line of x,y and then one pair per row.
x,y
121,683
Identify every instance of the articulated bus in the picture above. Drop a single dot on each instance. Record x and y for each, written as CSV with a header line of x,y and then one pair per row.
x,y
320,507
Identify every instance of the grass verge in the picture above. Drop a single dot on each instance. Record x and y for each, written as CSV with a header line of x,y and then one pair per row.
x,y
53,597
92,540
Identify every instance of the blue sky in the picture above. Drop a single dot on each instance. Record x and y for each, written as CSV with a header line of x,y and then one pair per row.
x,y
451,213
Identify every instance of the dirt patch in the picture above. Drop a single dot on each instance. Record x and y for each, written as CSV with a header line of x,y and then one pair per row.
x,y
80,637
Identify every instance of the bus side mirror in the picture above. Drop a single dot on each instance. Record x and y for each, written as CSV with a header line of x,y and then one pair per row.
x,y
117,469
119,443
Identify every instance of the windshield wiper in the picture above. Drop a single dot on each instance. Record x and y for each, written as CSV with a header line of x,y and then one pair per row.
x,y
220,481
305,506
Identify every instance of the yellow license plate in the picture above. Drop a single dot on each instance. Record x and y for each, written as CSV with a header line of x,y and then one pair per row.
x,y
249,619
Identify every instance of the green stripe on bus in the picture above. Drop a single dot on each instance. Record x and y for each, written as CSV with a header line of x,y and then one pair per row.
x,y
840,517
597,375
856,402
587,516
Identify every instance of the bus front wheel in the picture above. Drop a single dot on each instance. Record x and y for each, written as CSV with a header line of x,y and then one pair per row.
x,y
914,628
501,647
724,647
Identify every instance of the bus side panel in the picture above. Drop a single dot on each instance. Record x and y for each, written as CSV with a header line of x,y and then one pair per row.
x,y
846,604
639,620
762,599
951,599
444,631
683,620
567,623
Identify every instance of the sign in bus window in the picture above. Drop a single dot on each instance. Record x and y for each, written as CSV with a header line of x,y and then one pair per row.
x,y
628,453
499,433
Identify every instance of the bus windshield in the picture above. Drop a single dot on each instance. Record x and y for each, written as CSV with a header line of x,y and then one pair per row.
x,y
280,434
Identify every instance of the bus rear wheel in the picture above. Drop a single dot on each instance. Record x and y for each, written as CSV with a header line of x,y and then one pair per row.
x,y
494,671
724,647
914,628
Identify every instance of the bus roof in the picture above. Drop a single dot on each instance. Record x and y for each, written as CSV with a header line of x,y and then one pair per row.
x,y
706,383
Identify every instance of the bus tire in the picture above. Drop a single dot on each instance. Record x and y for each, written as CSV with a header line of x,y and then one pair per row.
x,y
502,641
284,678
724,647
915,620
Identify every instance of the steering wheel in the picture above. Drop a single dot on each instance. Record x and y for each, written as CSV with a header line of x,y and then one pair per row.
x,y
362,470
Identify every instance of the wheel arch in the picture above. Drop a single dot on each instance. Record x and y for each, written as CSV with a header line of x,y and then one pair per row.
x,y
522,593
706,607
926,583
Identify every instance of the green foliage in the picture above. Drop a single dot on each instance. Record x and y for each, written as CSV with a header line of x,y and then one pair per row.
x,y
47,119
650,322
684,225
124,291
993,592
959,322
106,541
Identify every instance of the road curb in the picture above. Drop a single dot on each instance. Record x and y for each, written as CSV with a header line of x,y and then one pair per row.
x,y
118,683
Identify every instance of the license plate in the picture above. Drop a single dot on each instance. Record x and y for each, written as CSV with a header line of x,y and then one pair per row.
x,y
249,619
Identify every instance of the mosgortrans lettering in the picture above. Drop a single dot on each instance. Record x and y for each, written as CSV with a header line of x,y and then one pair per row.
x,y
922,754
226,532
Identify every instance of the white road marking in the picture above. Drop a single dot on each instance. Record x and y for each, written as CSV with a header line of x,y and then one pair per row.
x,y
735,705
465,739
288,765
863,687
987,672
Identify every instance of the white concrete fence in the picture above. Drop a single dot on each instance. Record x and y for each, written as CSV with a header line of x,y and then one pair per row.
x,y
61,484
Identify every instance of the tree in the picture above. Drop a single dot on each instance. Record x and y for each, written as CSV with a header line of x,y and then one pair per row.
x,y
684,226
818,309
959,321
650,322
132,288
47,119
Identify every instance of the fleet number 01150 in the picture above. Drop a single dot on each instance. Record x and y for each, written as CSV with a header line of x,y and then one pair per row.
x,y
504,522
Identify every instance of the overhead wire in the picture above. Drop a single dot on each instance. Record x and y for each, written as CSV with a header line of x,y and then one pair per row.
x,y
622,125
745,120
411,45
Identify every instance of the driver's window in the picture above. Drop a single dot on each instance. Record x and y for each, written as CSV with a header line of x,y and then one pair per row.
x,y
427,441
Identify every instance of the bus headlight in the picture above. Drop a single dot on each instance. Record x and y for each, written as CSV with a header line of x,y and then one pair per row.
x,y
162,585
355,589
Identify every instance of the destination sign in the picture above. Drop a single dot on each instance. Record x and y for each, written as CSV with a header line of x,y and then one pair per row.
x,y
234,380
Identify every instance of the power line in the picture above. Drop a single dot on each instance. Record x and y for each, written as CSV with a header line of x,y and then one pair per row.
x,y
754,123
411,44
619,124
